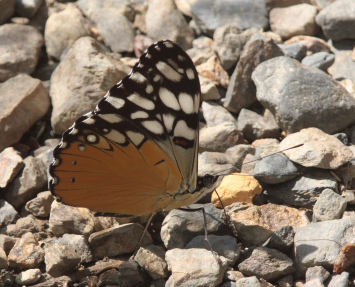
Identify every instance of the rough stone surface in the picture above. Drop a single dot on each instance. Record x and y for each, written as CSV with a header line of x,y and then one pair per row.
x,y
117,240
28,184
194,267
80,80
334,28
241,92
26,252
267,263
289,89
318,150
63,29
329,206
19,51
11,163
24,101
237,187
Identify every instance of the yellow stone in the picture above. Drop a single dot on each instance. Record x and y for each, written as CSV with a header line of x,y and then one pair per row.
x,y
236,187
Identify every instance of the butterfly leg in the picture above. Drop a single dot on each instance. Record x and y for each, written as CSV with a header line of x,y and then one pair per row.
x,y
215,255
144,232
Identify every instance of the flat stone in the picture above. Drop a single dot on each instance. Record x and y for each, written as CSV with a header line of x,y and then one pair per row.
x,y
275,169
343,67
213,70
322,248
11,163
256,224
302,191
59,38
220,137
118,240
19,53
194,267
180,227
267,263
320,60
275,83
209,91
294,20
318,150
23,102
225,246
295,50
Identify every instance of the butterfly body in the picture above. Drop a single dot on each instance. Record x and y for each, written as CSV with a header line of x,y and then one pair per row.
x,y
136,153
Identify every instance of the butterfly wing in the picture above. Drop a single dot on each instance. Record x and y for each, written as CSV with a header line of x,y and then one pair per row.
x,y
137,151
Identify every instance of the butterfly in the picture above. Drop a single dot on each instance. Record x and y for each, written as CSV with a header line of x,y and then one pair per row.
x,y
136,153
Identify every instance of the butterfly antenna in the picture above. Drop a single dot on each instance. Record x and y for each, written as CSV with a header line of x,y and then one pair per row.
x,y
222,172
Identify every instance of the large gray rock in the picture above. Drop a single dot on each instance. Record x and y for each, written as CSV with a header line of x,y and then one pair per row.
x,y
165,21
338,27
301,97
81,79
318,244
59,37
19,50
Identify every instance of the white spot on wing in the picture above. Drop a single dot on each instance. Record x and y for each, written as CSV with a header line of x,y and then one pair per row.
x,y
190,74
168,120
74,131
168,45
141,102
115,102
149,89
82,148
89,121
168,72
156,78
138,77
186,103
182,130
139,115
91,138
153,126
111,118
169,99
116,136
136,138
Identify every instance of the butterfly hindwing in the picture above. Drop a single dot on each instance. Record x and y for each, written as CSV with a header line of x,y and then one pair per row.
x,y
137,151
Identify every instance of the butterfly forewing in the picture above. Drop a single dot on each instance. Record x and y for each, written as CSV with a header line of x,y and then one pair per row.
x,y
136,152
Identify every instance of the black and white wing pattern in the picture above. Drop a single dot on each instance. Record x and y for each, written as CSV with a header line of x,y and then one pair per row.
x,y
136,153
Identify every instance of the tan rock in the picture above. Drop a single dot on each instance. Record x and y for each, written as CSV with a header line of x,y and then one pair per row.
x,y
237,187
255,224
319,149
